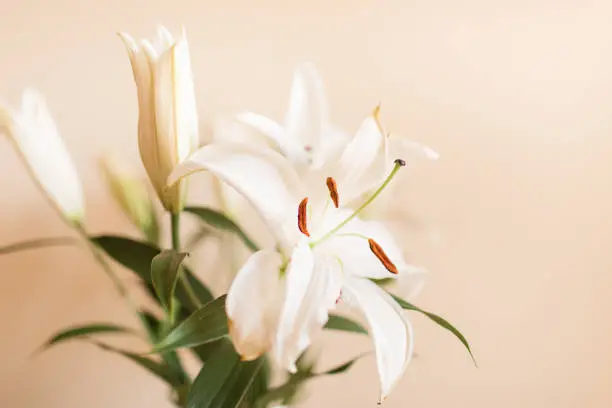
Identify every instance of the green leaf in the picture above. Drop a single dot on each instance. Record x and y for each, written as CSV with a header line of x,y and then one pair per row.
x,y
209,323
153,325
341,323
224,381
284,392
165,268
159,369
85,330
218,220
343,367
170,358
137,257
38,243
440,321
261,384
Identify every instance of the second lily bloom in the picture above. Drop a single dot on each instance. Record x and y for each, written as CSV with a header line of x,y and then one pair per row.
x,y
168,120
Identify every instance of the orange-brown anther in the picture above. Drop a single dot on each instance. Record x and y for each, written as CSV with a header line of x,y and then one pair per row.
x,y
302,217
382,256
333,191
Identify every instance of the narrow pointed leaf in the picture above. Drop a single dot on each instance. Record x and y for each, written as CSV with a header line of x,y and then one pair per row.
x,y
137,257
343,367
224,381
165,268
159,369
38,243
209,323
218,220
153,325
440,321
171,358
85,330
341,323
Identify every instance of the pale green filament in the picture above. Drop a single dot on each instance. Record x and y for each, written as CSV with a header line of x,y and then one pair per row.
x,y
396,167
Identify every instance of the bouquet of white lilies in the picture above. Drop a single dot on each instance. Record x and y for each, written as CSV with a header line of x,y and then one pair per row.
x,y
308,181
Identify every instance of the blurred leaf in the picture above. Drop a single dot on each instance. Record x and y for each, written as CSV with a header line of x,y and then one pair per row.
x,y
204,231
138,256
218,220
287,392
224,381
209,323
341,368
165,268
85,330
171,357
153,325
440,321
260,384
384,282
38,243
160,369
341,323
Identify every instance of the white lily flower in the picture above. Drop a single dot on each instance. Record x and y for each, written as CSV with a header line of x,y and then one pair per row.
x,y
281,298
35,135
168,120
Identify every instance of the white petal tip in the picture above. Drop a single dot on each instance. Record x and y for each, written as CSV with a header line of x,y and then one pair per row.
x,y
430,153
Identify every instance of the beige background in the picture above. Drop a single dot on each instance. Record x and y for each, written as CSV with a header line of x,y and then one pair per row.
x,y
514,222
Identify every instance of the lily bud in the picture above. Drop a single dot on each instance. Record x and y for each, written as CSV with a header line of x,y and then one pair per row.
x,y
132,196
168,120
37,140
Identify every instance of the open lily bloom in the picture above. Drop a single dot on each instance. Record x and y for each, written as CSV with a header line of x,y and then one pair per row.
x,y
35,135
281,297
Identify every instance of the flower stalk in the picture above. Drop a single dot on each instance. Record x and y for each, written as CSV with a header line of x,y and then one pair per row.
x,y
176,245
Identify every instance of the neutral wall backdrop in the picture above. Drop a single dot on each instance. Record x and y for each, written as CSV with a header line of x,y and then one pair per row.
x,y
513,222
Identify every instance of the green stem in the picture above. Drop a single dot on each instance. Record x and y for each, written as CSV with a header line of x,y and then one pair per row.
x,y
176,245
37,243
396,167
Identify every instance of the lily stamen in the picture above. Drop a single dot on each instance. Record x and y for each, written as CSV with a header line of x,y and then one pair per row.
x,y
382,256
333,191
398,164
302,217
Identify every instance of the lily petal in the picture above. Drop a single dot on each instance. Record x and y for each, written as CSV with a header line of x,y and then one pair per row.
x,y
253,304
262,176
351,245
392,334
364,162
401,147
267,127
313,286
35,135
175,105
307,116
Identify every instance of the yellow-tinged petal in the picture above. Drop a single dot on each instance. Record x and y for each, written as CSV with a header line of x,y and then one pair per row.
x,y
168,121
253,304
